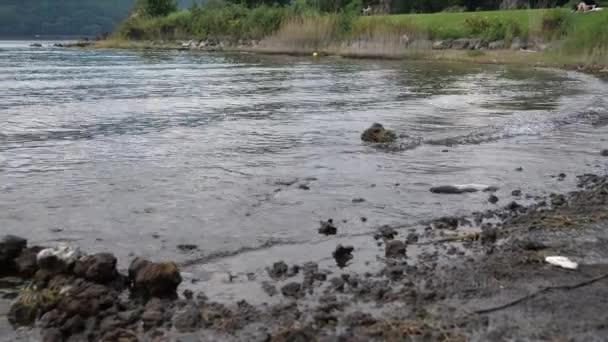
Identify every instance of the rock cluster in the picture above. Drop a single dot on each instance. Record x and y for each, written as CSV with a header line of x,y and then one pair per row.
x,y
78,296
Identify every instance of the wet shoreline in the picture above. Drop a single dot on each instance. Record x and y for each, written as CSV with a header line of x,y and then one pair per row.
x,y
462,279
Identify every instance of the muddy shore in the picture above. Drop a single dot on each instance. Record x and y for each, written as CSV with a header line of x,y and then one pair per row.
x,y
473,278
522,57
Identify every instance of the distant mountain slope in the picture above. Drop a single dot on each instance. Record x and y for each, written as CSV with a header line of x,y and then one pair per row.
x,y
63,17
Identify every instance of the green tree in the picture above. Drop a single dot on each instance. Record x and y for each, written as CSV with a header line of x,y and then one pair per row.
x,y
160,8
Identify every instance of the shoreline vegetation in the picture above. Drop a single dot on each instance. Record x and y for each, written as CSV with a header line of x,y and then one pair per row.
x,y
556,37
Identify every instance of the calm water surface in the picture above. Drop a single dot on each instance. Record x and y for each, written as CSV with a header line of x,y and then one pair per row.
x,y
139,152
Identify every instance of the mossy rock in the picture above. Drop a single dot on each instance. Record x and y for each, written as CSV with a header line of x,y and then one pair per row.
x,y
378,134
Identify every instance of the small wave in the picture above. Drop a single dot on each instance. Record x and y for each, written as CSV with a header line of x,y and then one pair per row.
x,y
595,116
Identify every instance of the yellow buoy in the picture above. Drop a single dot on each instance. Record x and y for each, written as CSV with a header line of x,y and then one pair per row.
x,y
315,54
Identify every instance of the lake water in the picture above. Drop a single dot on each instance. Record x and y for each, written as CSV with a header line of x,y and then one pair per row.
x,y
139,152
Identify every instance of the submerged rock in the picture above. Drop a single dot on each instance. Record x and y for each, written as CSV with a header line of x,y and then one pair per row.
x,y
461,188
378,134
328,228
293,290
155,279
343,254
278,271
604,153
395,249
493,199
385,233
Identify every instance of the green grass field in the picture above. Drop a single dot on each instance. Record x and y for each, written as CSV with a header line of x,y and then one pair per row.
x,y
527,22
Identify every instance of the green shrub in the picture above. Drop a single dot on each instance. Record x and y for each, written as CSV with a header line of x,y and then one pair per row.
x,y
555,24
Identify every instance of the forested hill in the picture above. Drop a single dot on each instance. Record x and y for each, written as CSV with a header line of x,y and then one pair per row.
x,y
62,17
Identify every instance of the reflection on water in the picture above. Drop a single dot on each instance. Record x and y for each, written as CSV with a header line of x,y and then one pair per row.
x,y
117,148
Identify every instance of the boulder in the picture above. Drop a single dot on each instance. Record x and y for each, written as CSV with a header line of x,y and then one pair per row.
x,y
442,44
518,44
461,44
187,319
395,249
155,279
10,247
293,290
100,268
378,134
26,263
58,259
496,45
278,271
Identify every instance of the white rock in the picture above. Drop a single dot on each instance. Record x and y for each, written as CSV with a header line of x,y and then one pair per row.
x,y
562,261
63,252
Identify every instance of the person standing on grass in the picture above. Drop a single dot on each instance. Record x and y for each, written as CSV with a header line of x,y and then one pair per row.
x,y
586,5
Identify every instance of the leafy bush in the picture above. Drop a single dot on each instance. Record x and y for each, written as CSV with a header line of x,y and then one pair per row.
x,y
555,24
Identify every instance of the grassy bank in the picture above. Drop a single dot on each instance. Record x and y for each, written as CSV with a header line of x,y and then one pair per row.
x,y
569,38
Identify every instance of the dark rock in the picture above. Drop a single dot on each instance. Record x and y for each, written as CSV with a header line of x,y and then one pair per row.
x,y
120,335
516,193
188,294
73,325
514,206
496,45
604,153
558,200
110,323
52,335
363,219
100,268
278,271
52,319
86,299
395,249
153,314
21,314
531,244
286,182
358,318
460,44
489,235
386,233
412,238
303,187
10,247
130,316
492,199
26,264
446,222
270,289
337,284
358,200
328,228
293,290
187,248
378,134
519,169
561,175
343,254
187,319
155,279
451,189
